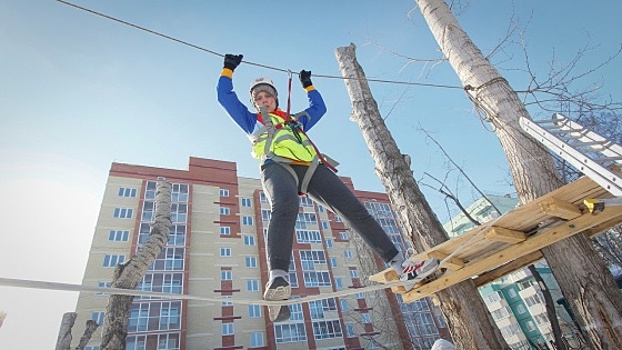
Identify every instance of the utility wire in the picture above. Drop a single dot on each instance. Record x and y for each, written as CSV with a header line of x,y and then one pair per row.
x,y
248,62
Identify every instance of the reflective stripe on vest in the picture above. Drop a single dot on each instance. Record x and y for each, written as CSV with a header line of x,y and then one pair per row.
x,y
277,141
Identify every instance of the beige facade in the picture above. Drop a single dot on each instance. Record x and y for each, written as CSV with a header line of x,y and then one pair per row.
x,y
217,248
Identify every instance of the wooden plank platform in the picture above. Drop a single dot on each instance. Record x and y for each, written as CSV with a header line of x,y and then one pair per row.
x,y
513,240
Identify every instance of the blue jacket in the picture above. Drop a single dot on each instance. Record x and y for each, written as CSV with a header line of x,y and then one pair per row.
x,y
249,121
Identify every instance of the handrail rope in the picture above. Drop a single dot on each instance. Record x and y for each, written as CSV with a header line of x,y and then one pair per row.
x,y
397,82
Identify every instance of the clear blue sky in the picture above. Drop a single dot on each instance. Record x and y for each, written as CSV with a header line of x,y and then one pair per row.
x,y
78,92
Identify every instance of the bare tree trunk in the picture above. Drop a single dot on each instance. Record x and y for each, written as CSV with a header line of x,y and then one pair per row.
x,y
467,316
64,333
550,308
587,284
91,326
129,274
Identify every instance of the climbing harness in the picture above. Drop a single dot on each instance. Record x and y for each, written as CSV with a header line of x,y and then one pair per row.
x,y
265,139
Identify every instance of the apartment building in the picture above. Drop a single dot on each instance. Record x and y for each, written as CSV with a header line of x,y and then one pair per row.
x,y
217,248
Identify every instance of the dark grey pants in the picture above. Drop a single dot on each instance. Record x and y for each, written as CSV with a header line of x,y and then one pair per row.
x,y
327,189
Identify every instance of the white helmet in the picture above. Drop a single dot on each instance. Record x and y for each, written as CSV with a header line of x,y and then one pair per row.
x,y
263,81
263,84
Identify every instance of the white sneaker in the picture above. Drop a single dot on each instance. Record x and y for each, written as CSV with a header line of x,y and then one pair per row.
x,y
415,271
278,289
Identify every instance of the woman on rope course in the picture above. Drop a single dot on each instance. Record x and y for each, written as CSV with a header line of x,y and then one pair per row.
x,y
290,166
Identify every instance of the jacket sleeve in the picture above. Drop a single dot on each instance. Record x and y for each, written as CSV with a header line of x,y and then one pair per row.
x,y
229,100
316,109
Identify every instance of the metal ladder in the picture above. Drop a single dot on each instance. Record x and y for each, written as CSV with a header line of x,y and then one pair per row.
x,y
585,150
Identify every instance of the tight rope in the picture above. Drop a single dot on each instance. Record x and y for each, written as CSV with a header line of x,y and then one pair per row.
x,y
69,287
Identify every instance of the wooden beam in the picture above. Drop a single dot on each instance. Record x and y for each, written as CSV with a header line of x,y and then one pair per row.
x,y
558,208
501,234
507,268
536,242
452,263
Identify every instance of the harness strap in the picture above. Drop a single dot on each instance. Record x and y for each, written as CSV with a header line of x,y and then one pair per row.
x,y
309,174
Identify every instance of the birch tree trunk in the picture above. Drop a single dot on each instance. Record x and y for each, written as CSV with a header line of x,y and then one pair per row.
x,y
129,274
64,333
585,281
465,312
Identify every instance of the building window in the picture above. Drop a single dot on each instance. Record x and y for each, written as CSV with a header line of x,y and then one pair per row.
x,y
247,220
305,219
257,340
521,309
249,240
344,305
317,279
254,311
228,328
252,285
224,192
225,230
226,303
285,333
225,211
306,236
98,316
347,254
262,198
127,192
92,347
226,275
251,261
333,262
150,190
343,236
327,329
148,210
103,284
266,215
112,260
306,202
179,193
247,202
354,273
338,283
338,218
365,317
119,235
170,259
161,282
123,213
318,307
350,330
325,225
169,341
329,243
225,251
179,212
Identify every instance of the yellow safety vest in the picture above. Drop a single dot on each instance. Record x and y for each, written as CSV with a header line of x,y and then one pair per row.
x,y
279,141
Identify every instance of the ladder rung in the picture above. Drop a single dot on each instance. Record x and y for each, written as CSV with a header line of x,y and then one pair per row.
x,y
565,131
593,143
605,159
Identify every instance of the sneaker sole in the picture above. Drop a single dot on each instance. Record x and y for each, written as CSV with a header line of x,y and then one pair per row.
x,y
278,293
278,313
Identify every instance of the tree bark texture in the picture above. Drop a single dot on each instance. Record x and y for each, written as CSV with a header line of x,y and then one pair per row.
x,y
91,327
129,274
586,283
470,322
64,333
